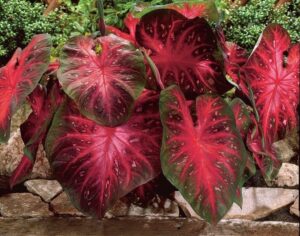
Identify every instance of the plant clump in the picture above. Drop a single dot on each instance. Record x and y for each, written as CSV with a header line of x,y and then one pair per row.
x,y
244,24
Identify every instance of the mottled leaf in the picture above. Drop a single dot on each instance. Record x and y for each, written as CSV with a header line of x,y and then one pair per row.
x,y
103,76
96,164
19,78
203,156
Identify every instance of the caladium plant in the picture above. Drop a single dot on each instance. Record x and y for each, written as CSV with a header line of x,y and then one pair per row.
x,y
124,113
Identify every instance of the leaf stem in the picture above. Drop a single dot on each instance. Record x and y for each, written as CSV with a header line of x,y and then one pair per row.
x,y
101,22
154,69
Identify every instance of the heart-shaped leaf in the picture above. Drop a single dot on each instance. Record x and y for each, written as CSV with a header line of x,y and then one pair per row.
x,y
19,78
184,51
103,76
44,102
272,72
262,153
97,164
241,115
203,156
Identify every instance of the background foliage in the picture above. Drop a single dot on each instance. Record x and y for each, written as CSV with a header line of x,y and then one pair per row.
x,y
21,19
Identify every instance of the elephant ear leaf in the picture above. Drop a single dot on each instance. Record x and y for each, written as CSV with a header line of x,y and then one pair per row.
x,y
202,155
272,72
97,164
44,101
184,51
20,77
241,115
104,76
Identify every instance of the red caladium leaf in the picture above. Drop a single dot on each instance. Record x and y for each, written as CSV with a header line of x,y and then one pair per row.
x,y
262,152
98,164
103,76
23,169
241,115
184,51
274,80
44,102
197,8
234,58
203,156
19,78
130,22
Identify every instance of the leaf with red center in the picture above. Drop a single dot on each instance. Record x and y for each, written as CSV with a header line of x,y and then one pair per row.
x,y
130,22
272,72
241,115
184,51
23,169
203,156
262,152
103,76
44,102
19,78
198,8
98,164
120,33
234,58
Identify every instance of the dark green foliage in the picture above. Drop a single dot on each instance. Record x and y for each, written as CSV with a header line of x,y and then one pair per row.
x,y
244,24
19,21
116,10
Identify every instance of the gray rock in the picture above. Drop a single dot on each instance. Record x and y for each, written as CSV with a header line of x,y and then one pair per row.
x,y
145,226
251,228
288,175
170,209
17,205
46,189
185,206
261,202
287,148
257,203
119,209
295,208
61,205
12,152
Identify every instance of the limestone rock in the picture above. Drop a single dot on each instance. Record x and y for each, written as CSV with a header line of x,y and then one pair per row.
x,y
46,189
145,226
12,152
288,175
257,203
295,208
61,205
17,205
185,206
119,209
261,202
287,148
169,209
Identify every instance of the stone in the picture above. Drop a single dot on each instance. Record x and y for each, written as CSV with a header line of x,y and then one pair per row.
x,y
294,209
185,206
18,205
288,175
261,202
287,148
46,189
61,205
170,209
119,209
257,203
145,226
12,152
